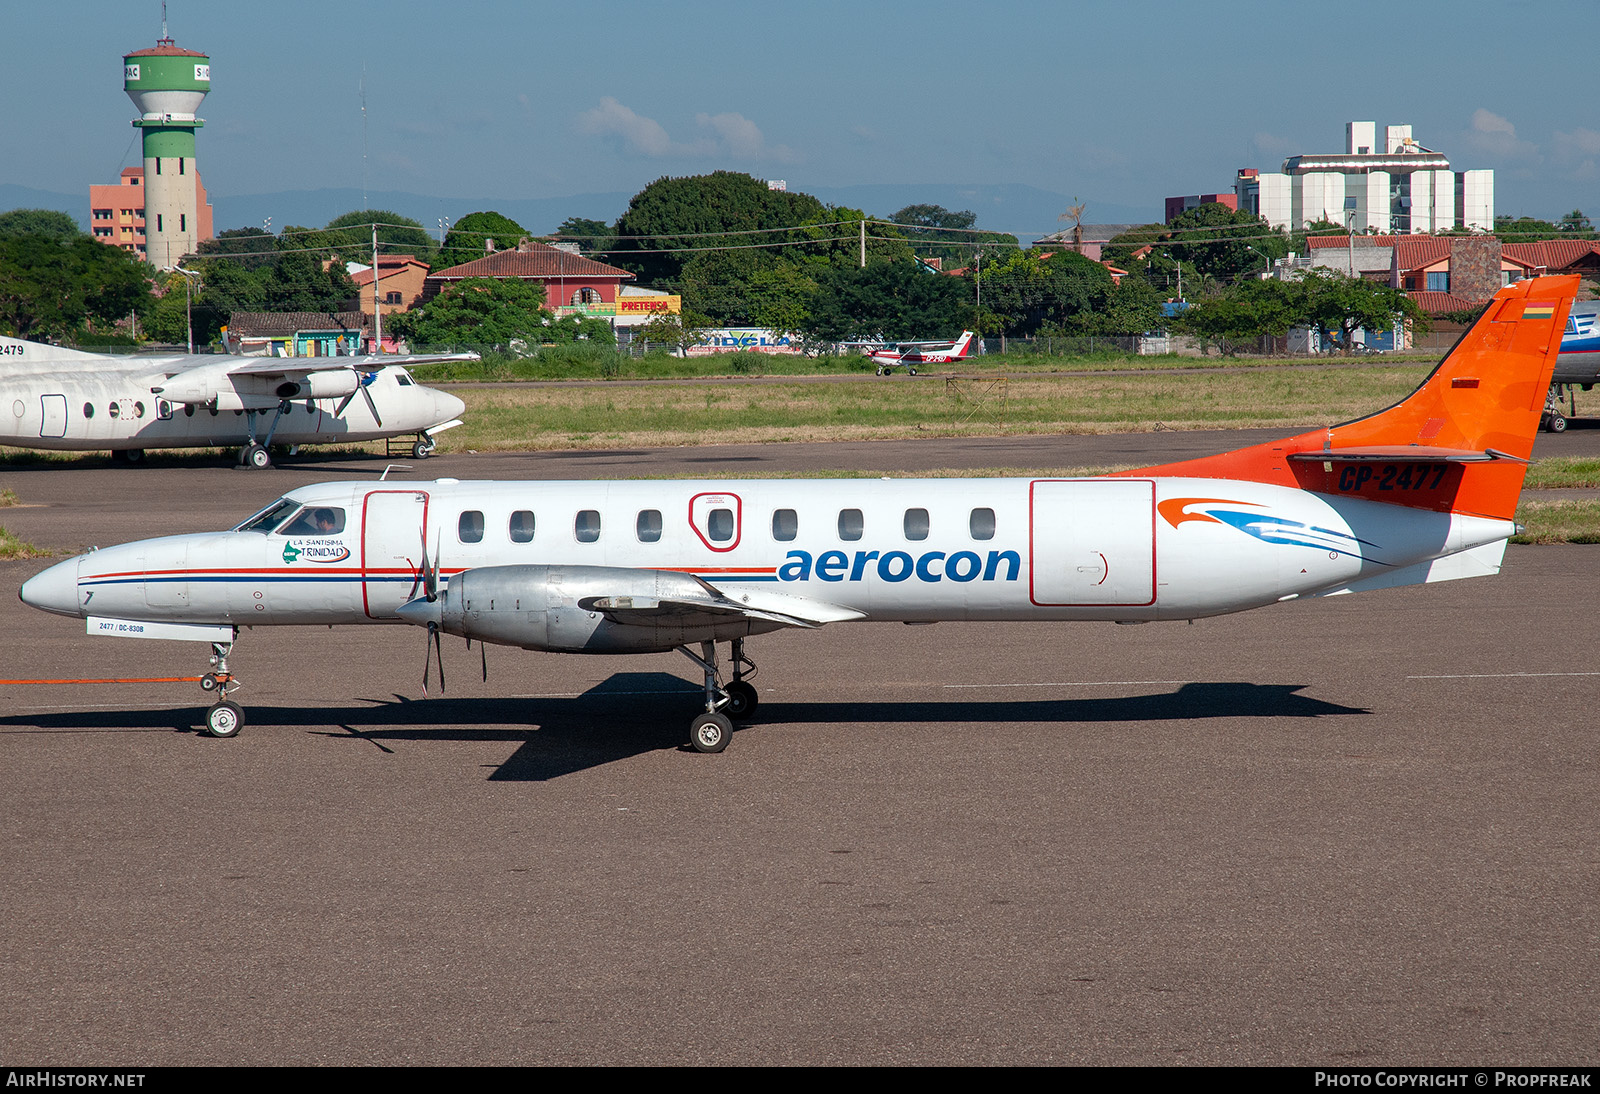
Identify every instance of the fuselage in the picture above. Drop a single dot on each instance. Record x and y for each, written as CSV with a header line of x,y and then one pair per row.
x,y
1126,549
107,402
1579,360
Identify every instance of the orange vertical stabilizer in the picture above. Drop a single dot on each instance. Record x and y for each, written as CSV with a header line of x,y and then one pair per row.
x,y
1459,443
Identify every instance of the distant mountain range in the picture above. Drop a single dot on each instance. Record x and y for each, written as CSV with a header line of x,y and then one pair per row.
x,y
1027,212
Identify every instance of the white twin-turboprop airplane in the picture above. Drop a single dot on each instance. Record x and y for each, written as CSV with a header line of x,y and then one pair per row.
x,y
64,399
1423,491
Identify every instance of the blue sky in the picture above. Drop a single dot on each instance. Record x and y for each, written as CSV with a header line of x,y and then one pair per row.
x,y
1117,103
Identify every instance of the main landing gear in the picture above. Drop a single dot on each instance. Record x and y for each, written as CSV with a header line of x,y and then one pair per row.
x,y
255,454
725,703
225,718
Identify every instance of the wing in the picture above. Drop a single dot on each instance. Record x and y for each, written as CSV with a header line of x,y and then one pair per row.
x,y
259,383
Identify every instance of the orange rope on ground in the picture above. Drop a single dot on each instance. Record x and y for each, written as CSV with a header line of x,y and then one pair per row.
x,y
115,680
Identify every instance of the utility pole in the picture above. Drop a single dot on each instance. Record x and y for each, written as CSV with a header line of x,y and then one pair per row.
x,y
377,314
188,301
863,244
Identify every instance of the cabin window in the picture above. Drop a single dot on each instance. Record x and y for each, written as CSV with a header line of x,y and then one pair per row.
x,y
316,520
649,525
521,526
587,525
785,525
719,525
88,410
981,524
138,410
470,527
113,408
850,524
916,524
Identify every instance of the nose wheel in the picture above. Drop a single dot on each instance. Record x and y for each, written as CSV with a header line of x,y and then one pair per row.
x,y
225,718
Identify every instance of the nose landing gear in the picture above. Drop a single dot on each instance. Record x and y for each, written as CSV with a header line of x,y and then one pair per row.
x,y
225,718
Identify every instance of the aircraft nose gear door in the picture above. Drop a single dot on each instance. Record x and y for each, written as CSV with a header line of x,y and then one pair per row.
x,y
392,523
1093,542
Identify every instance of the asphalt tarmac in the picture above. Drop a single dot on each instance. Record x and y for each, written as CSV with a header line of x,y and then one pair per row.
x,y
1358,831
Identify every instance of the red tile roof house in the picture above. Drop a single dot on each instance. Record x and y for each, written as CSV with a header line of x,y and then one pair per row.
x,y
570,280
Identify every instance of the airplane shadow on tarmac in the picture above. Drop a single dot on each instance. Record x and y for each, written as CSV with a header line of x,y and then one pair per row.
x,y
631,714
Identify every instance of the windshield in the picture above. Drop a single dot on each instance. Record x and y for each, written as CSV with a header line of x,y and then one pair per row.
x,y
270,517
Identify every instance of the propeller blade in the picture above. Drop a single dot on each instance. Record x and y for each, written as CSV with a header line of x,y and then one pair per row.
x,y
427,656
434,650
429,574
483,652
371,405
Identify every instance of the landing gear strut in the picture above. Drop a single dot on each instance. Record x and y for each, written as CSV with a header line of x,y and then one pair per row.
x,y
424,446
255,454
225,718
737,699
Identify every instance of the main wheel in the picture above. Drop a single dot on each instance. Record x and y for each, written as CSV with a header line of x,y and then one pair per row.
x,y
255,457
710,732
910,371
742,700
1557,423
880,370
421,450
225,719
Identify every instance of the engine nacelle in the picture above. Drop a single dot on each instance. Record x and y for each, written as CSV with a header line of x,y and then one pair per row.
x,y
554,608
328,384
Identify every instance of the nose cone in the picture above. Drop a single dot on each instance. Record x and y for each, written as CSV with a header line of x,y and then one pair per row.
x,y
421,611
54,590
447,406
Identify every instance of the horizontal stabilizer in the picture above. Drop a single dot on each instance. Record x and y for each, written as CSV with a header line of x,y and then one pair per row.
x,y
1481,561
1403,453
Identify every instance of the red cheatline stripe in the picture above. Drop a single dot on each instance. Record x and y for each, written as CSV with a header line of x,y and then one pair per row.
x,y
116,680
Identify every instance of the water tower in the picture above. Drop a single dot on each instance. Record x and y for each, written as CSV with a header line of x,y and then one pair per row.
x,y
167,85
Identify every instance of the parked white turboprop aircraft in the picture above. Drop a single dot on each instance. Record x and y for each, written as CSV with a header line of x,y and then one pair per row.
x,y
65,399
1423,491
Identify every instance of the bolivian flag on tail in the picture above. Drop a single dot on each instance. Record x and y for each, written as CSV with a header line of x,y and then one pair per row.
x,y
1544,309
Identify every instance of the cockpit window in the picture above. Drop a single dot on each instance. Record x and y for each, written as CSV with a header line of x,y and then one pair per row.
x,y
316,520
270,517
402,377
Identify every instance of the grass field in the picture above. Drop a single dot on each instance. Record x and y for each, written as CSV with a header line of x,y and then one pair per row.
x,y
505,418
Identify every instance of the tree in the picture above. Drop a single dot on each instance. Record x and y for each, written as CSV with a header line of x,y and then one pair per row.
x,y
591,236
1062,292
300,283
350,236
1234,317
467,237
477,311
249,248
935,232
52,285
1224,243
1525,229
1336,303
38,222
1575,222
670,219
888,300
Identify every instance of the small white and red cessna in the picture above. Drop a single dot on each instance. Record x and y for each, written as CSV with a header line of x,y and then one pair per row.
x,y
912,354
1423,491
